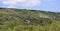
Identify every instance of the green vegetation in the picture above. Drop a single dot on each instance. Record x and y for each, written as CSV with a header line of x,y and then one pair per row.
x,y
28,20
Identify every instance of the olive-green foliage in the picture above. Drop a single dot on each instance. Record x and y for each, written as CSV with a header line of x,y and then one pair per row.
x,y
55,26
28,20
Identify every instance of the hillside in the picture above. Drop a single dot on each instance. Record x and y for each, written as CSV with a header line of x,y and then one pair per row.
x,y
12,19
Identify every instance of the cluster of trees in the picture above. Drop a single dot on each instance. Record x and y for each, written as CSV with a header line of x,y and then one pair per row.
x,y
26,20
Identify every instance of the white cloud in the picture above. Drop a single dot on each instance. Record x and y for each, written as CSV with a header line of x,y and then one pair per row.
x,y
24,3
11,6
8,2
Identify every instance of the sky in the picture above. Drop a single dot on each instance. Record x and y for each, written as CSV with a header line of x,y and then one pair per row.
x,y
46,5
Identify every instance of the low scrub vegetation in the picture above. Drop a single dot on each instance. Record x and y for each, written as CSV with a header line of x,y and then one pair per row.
x,y
28,20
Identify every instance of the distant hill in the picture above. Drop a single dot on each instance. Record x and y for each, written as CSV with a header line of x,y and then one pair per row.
x,y
10,17
31,16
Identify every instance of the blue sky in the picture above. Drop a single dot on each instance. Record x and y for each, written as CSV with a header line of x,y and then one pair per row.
x,y
47,5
